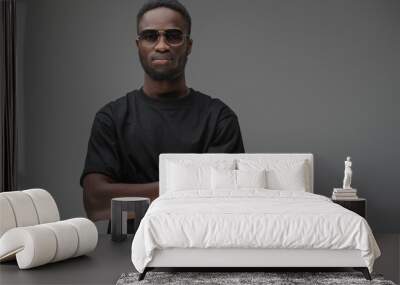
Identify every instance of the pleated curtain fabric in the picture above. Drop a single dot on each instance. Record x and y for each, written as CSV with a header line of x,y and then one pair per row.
x,y
8,173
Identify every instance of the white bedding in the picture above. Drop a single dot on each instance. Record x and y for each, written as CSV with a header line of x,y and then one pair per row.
x,y
250,218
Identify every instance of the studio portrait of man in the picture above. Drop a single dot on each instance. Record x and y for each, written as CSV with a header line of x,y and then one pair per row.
x,y
143,140
162,116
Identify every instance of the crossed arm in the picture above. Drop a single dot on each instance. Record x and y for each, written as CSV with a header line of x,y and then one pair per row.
x,y
98,189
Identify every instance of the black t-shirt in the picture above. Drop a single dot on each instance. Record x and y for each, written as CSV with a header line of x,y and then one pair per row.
x,y
128,134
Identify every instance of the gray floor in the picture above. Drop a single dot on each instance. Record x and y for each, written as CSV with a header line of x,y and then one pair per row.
x,y
110,260
389,262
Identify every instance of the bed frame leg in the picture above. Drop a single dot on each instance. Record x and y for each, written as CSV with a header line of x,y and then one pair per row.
x,y
143,274
364,271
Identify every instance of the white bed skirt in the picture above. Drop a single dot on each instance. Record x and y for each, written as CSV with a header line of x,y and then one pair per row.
x,y
194,257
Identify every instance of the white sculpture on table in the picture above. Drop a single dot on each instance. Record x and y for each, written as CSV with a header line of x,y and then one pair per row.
x,y
347,173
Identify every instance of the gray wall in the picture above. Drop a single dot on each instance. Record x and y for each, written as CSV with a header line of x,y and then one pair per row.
x,y
303,76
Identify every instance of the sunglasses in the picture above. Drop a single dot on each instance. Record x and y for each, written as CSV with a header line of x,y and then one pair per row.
x,y
173,37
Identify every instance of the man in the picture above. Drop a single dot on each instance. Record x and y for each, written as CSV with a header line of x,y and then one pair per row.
x,y
163,116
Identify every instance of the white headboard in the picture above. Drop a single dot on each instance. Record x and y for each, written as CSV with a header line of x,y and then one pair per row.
x,y
221,156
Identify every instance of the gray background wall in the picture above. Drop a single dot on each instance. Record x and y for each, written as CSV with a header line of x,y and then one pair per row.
x,y
303,76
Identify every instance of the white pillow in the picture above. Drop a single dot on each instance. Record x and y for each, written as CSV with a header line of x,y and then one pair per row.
x,y
251,178
281,174
223,179
236,179
193,174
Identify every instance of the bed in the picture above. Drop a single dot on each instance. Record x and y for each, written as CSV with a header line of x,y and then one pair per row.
x,y
246,211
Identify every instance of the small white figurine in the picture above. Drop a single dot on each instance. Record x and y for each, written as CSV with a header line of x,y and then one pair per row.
x,y
347,173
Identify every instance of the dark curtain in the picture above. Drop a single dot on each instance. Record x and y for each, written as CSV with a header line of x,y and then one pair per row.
x,y
8,175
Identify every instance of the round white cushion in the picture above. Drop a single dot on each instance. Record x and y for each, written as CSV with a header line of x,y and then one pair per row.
x,y
66,238
33,246
46,207
23,208
7,219
87,233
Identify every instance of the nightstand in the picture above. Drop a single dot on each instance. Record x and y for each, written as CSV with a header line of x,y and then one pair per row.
x,y
358,206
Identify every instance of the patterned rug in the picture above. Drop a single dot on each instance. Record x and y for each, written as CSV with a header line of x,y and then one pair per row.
x,y
270,278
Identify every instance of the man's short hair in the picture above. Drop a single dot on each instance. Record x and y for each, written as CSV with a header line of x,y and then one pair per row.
x,y
171,4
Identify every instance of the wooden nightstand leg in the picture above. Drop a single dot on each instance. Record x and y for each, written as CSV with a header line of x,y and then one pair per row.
x,y
364,271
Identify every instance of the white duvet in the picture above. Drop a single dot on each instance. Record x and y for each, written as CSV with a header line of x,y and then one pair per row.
x,y
251,218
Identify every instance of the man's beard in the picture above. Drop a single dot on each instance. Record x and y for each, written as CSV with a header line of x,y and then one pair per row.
x,y
165,75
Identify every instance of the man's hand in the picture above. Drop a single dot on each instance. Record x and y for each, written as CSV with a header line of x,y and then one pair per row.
x,y
99,189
